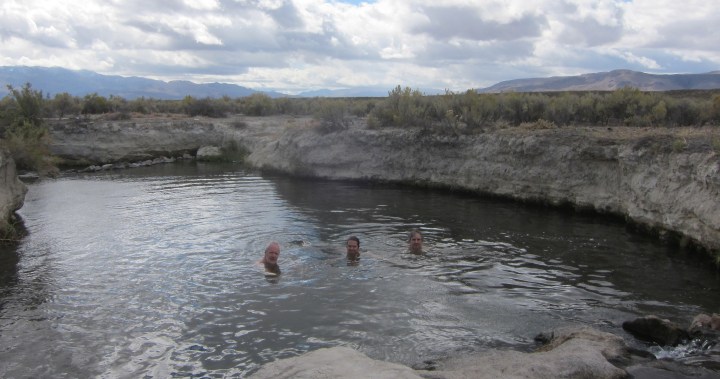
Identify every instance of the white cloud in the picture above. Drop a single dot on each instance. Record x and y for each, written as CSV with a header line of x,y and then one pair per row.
x,y
306,44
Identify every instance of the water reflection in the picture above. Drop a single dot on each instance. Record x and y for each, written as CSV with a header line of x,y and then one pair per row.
x,y
151,272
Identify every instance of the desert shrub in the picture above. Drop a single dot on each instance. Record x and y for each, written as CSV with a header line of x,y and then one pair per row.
x,y
95,104
141,105
333,115
403,107
26,135
203,107
539,124
239,124
64,104
716,145
234,151
679,145
479,110
29,146
118,116
258,104
26,106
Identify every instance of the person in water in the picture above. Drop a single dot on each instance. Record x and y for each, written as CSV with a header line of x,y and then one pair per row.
x,y
415,241
353,248
270,259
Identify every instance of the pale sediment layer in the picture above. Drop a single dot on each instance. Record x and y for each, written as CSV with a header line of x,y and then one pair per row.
x,y
665,179
12,194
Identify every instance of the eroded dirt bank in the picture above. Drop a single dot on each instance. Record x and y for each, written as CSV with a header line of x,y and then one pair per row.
x,y
664,179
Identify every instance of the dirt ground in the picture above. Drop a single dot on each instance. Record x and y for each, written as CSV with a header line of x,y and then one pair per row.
x,y
699,138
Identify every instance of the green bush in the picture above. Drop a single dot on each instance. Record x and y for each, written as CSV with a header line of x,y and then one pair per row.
x,y
64,104
95,104
679,145
258,104
333,115
404,107
26,135
203,107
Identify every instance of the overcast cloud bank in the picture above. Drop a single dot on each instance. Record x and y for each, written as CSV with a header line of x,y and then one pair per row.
x,y
300,45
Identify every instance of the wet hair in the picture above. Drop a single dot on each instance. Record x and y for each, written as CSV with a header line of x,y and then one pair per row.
x,y
414,232
353,238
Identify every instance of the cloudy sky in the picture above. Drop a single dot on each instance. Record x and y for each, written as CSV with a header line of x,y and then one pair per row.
x,y
298,45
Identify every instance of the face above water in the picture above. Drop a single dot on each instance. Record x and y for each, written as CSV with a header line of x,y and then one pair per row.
x,y
353,249
272,255
416,242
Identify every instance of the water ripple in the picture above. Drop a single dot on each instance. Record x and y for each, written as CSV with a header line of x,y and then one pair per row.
x,y
152,273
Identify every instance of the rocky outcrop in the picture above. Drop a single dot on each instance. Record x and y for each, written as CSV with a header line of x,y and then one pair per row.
x,y
573,352
659,178
654,329
96,141
12,192
667,180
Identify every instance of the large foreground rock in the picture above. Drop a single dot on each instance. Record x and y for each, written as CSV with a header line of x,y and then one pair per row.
x,y
12,191
336,362
574,352
654,329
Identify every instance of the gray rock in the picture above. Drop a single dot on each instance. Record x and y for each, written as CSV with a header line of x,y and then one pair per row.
x,y
336,362
130,140
654,329
573,352
634,173
12,191
662,369
208,153
705,322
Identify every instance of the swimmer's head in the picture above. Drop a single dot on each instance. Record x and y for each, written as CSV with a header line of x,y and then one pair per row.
x,y
353,247
415,240
272,253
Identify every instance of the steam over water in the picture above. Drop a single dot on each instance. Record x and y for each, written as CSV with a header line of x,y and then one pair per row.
x,y
150,273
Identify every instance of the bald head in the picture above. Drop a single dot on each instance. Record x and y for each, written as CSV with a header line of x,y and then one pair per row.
x,y
272,253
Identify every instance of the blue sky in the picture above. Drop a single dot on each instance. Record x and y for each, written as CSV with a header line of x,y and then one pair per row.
x,y
299,45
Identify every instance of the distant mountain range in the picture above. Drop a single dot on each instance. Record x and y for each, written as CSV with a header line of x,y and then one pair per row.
x,y
610,81
54,80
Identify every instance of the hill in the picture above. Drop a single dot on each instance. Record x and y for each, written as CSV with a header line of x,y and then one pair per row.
x,y
54,80
610,81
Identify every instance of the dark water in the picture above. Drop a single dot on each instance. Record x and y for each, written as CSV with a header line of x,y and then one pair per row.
x,y
150,273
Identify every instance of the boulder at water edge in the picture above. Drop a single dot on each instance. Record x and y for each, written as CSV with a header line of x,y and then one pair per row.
x,y
654,329
703,323
12,191
208,153
573,352
336,362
